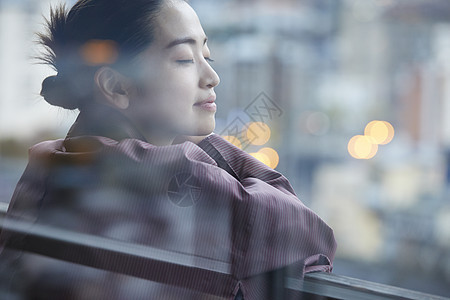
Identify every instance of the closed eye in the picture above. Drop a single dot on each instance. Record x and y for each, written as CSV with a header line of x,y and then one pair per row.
x,y
191,61
185,61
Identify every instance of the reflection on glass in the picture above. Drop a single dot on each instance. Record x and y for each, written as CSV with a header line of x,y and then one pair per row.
x,y
98,52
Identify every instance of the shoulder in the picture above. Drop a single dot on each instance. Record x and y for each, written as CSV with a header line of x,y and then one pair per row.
x,y
46,147
132,149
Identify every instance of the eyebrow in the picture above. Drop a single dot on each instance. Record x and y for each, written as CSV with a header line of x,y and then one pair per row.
x,y
185,40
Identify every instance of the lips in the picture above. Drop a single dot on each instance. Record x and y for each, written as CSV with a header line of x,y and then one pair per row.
x,y
210,99
208,104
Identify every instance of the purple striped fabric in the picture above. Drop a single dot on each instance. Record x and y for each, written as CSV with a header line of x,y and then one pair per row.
x,y
210,200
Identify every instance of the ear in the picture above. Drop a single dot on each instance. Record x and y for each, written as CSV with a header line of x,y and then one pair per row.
x,y
113,86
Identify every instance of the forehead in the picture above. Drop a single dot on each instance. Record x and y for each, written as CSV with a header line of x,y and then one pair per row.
x,y
177,20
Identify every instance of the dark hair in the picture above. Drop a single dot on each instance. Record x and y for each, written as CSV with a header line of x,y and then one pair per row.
x,y
92,34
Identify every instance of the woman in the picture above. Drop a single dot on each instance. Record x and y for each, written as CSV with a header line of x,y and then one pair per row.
x,y
142,165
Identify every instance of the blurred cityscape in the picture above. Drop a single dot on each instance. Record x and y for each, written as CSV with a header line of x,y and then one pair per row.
x,y
315,72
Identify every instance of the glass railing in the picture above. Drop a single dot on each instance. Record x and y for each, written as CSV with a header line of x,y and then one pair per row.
x,y
128,259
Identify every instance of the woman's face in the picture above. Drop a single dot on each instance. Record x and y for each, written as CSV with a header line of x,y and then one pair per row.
x,y
176,82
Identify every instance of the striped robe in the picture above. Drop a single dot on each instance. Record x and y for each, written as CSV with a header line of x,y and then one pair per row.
x,y
232,216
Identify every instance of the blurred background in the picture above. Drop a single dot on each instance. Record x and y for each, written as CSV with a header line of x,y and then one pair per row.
x,y
349,99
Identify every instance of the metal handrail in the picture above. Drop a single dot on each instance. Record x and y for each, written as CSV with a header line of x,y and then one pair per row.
x,y
3,209
343,287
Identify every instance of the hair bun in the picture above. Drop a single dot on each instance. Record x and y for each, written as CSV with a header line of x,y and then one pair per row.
x,y
56,92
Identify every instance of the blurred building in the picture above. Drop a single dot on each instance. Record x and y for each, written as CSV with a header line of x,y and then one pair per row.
x,y
333,66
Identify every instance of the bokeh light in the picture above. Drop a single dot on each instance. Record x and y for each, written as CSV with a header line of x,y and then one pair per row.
x,y
362,147
258,133
381,131
99,52
233,140
316,123
261,157
273,156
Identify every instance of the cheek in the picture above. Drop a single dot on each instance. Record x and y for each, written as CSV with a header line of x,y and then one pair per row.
x,y
168,98
173,83
172,94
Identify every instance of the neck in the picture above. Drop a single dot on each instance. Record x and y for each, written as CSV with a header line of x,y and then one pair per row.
x,y
105,121
102,120
158,137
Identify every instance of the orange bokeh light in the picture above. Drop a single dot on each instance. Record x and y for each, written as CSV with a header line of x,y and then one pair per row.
x,y
381,131
99,52
261,157
233,140
273,156
258,133
362,147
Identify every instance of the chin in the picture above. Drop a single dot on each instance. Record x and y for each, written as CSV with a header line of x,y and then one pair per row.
x,y
206,128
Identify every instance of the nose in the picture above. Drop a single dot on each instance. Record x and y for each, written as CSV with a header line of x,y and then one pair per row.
x,y
209,77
